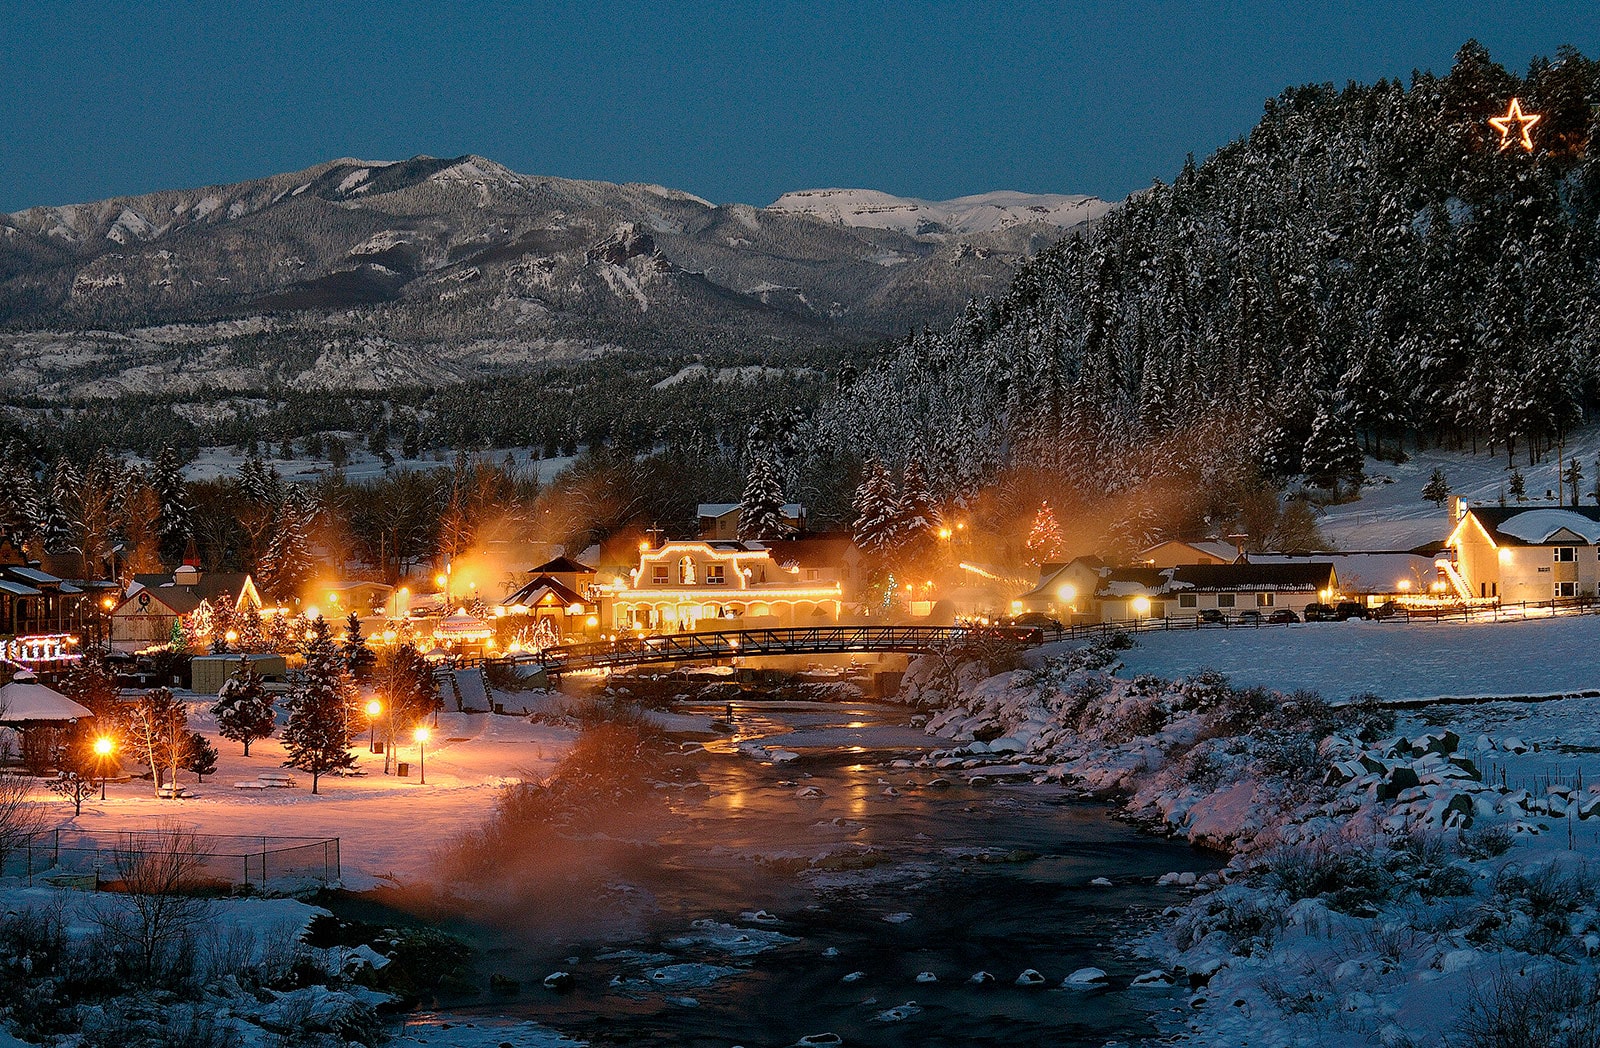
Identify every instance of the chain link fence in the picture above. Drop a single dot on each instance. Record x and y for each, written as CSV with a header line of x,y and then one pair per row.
x,y
77,859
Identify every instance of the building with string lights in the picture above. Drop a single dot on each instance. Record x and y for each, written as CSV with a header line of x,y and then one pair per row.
x,y
700,584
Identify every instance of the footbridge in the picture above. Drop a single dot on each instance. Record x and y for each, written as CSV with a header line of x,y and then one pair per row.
x,y
757,643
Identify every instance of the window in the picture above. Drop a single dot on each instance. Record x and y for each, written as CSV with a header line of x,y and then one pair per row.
x,y
1565,554
1566,589
686,571
659,575
813,574
1188,600
1264,600
714,575
1225,600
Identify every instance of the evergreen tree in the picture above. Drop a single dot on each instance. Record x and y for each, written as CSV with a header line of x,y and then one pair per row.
x,y
1517,486
317,735
1045,540
358,657
243,709
174,524
915,514
199,756
1572,475
761,508
876,505
1437,489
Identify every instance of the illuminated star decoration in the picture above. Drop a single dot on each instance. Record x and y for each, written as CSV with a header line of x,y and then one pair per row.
x,y
1524,123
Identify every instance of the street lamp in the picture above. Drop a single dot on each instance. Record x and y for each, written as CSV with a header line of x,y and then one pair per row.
x,y
422,754
373,709
102,749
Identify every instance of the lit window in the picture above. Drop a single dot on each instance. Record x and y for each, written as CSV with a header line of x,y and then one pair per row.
x,y
714,575
660,575
1264,600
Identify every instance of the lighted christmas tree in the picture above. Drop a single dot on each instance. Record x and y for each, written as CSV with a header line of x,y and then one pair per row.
x,y
1045,539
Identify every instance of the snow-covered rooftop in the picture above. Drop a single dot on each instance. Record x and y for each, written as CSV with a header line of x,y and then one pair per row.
x,y
1538,525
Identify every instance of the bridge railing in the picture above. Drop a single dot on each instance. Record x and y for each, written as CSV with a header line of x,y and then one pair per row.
x,y
822,640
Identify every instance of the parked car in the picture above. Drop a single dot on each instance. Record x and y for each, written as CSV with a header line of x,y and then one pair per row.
x,y
1387,610
1213,617
1034,618
1283,615
1319,613
1349,609
1250,618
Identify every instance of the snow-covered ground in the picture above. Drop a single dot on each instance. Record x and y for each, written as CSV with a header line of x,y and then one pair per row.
x,y
388,827
1392,514
1392,659
1426,880
214,462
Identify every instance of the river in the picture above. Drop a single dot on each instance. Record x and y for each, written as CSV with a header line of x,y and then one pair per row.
x,y
818,895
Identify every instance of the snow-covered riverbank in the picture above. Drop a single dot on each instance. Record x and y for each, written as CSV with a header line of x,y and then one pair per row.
x,y
1410,880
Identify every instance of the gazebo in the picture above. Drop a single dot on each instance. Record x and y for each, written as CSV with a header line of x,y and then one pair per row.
x,y
25,702
38,713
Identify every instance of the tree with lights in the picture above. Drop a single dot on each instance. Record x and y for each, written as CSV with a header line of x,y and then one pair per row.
x,y
243,709
761,507
1045,540
316,738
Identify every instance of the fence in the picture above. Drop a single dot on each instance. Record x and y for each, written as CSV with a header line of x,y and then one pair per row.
x,y
225,860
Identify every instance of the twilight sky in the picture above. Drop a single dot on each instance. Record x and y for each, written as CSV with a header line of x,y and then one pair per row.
x,y
733,101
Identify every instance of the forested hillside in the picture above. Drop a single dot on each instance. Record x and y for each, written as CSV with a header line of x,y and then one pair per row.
x,y
1368,267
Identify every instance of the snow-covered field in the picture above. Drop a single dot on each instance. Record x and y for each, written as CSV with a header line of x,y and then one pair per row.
x,y
1391,659
214,462
388,827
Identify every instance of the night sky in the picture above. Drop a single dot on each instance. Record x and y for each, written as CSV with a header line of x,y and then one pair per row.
x,y
735,102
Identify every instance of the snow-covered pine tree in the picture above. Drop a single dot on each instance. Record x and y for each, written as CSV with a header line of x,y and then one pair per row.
x,y
243,709
876,504
915,513
174,524
316,738
761,507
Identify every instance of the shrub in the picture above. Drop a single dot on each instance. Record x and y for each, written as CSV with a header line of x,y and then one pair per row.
x,y
1486,841
1351,880
1561,1010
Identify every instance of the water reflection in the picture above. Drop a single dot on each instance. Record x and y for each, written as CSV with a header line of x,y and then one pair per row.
x,y
946,881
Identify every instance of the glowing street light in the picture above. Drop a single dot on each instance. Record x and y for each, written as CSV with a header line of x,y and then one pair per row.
x,y
422,753
102,749
1141,606
374,708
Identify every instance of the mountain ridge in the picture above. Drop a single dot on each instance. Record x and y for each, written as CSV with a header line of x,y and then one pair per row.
x,y
430,254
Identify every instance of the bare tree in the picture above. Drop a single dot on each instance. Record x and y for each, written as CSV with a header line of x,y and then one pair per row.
x,y
156,922
21,818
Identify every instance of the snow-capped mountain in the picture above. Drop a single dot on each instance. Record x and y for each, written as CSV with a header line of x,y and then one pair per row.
x,y
983,213
454,267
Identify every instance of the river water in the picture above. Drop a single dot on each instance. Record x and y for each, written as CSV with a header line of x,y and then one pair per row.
x,y
820,893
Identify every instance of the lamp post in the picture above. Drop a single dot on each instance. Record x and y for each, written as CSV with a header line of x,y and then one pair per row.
x,y
374,708
102,749
422,754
